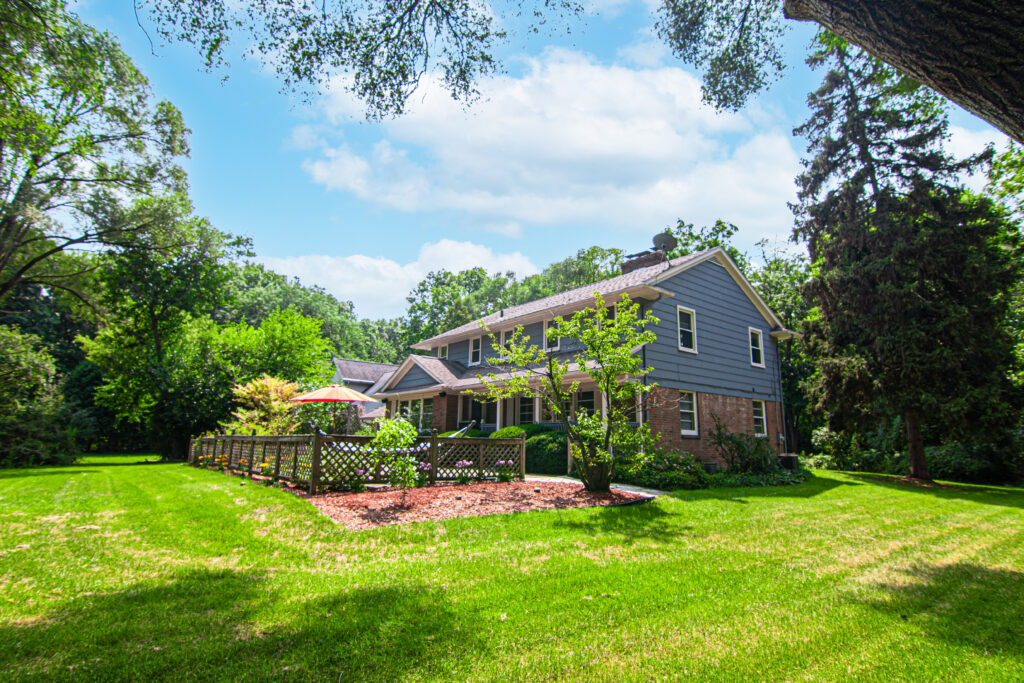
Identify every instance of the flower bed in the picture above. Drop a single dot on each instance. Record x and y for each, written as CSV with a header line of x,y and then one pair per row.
x,y
382,507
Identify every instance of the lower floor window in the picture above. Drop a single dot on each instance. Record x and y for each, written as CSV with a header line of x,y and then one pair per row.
x,y
419,412
525,410
688,413
760,423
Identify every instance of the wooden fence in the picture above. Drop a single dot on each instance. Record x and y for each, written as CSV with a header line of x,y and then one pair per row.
x,y
319,461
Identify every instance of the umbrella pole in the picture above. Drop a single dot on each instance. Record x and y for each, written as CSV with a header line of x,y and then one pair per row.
x,y
334,417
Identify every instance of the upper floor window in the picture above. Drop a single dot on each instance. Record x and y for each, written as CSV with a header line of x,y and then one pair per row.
x,y
550,339
756,347
506,339
688,413
474,351
760,422
442,351
687,322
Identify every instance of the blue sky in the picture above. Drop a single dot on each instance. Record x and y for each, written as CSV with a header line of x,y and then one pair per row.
x,y
597,136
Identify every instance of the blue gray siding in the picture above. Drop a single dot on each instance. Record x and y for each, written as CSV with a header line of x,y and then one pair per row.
x,y
722,362
414,379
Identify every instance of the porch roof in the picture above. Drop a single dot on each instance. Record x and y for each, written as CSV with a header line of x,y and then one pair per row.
x,y
453,376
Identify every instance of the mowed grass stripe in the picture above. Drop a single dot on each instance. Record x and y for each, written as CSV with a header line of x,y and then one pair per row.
x,y
190,574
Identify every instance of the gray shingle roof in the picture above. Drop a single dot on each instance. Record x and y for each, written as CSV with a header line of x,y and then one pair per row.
x,y
361,370
582,294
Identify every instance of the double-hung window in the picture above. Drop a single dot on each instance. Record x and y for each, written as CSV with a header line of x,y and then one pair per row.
x,y
475,346
688,413
525,410
550,338
427,414
760,422
687,323
756,347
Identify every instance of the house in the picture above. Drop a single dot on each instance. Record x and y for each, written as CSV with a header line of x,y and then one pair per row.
x,y
716,355
365,377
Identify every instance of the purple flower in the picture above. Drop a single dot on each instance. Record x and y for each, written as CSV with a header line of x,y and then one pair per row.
x,y
424,465
360,473
464,463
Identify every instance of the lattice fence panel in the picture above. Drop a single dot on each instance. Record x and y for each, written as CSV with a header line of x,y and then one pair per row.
x,y
304,460
350,458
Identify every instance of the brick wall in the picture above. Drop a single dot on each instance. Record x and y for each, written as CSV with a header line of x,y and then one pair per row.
x,y
446,413
736,413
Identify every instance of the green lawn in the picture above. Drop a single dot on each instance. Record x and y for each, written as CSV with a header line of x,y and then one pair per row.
x,y
114,570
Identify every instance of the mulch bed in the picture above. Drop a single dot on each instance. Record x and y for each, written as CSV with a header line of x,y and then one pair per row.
x,y
373,509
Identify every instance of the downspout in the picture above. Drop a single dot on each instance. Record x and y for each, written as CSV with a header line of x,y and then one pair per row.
x,y
643,379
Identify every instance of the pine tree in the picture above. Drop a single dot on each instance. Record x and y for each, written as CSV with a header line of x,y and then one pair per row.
x,y
911,273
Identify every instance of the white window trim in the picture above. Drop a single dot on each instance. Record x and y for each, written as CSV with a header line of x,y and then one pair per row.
x,y
558,343
479,340
693,319
760,346
764,417
444,349
696,419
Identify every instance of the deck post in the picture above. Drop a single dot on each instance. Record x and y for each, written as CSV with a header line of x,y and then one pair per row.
x,y
252,453
314,470
480,461
433,457
277,460
522,456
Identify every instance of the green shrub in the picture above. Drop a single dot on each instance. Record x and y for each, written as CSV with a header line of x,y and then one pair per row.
x,y
730,479
533,430
547,453
510,432
744,453
666,470
36,427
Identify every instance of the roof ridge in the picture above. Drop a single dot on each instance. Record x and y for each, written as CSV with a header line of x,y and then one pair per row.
x,y
640,275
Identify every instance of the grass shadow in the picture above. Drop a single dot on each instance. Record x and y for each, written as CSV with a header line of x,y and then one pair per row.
x,y
629,522
963,604
814,486
988,495
220,626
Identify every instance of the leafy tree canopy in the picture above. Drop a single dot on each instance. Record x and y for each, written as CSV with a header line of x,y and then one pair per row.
x,y
79,133
386,47
910,273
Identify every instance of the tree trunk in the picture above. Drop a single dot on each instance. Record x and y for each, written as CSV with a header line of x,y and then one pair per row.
x,y
915,447
968,50
597,476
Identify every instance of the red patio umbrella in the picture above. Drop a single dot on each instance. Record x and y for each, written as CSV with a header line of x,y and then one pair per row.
x,y
333,393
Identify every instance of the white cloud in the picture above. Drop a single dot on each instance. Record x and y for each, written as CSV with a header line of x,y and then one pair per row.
x,y
963,143
647,51
571,142
378,286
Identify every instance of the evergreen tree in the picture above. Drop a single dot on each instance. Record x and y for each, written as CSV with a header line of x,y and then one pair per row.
x,y
910,272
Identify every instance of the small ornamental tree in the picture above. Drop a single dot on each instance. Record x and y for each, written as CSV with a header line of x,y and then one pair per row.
x,y
394,436
264,407
608,358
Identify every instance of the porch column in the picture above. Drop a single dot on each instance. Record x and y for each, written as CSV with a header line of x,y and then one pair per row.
x,y
501,409
536,409
604,406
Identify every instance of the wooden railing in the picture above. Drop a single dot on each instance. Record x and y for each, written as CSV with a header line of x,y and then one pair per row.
x,y
321,461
